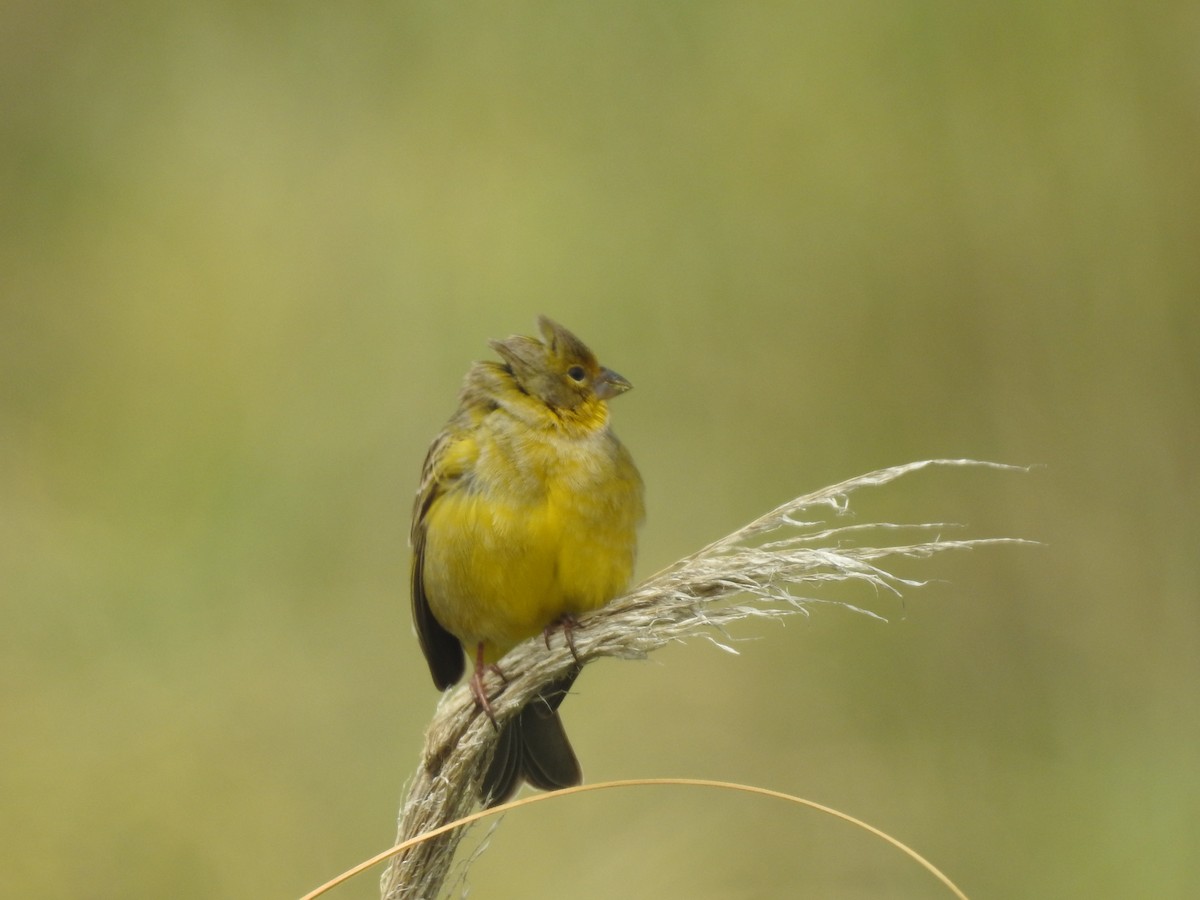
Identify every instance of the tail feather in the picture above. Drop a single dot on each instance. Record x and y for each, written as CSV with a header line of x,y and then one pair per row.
x,y
533,746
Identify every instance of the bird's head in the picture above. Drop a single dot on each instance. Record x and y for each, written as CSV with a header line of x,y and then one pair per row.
x,y
559,370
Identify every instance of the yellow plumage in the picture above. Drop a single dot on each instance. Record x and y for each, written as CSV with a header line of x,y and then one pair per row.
x,y
527,515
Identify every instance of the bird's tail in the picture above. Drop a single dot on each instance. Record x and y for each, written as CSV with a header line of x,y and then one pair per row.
x,y
533,746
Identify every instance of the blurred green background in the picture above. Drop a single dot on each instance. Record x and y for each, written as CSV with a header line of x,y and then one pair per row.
x,y
247,251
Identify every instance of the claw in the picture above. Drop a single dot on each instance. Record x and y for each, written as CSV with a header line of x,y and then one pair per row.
x,y
478,690
568,623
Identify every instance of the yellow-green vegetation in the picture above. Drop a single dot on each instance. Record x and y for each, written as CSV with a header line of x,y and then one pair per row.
x,y
247,251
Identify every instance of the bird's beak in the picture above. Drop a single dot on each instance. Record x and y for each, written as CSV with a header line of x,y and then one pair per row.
x,y
609,384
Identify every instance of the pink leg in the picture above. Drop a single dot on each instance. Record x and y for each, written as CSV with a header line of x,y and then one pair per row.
x,y
568,623
478,691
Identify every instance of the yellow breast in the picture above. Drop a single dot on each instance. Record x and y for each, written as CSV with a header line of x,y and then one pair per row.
x,y
544,525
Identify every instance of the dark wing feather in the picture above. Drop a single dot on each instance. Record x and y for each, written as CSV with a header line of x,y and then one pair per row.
x,y
442,650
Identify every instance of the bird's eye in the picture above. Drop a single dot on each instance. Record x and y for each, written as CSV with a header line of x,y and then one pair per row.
x,y
576,373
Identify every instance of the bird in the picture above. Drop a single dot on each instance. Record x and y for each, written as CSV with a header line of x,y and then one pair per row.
x,y
525,519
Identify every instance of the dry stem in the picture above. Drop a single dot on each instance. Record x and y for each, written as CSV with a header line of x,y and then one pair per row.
x,y
684,600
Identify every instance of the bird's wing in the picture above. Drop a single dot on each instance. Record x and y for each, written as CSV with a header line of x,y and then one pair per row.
x,y
445,464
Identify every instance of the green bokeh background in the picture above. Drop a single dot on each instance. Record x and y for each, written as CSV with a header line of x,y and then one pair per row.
x,y
247,251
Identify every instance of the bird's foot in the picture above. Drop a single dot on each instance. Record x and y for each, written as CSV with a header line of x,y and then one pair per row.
x,y
479,690
568,623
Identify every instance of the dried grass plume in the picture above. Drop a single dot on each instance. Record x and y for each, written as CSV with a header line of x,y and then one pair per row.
x,y
768,565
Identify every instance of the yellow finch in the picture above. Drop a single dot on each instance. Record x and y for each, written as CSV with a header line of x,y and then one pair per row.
x,y
526,517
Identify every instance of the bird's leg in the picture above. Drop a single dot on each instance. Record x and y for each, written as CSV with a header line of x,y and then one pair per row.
x,y
478,691
568,623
